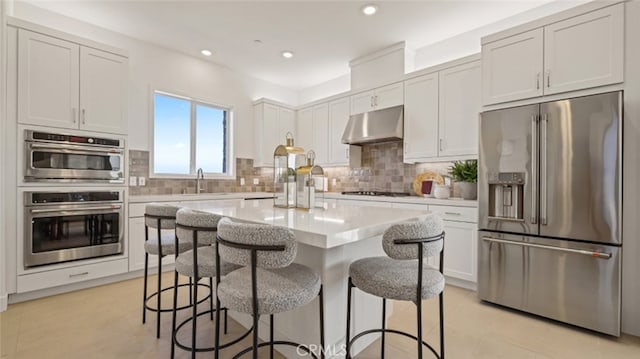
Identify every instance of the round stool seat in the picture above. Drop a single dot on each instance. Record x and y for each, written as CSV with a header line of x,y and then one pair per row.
x,y
168,243
395,279
206,263
279,290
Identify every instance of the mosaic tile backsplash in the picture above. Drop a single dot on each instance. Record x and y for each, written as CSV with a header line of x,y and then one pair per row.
x,y
382,170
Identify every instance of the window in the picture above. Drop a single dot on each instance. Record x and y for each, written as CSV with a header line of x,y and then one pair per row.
x,y
188,135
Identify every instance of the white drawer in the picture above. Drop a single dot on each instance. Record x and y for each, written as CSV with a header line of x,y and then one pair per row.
x,y
453,213
58,277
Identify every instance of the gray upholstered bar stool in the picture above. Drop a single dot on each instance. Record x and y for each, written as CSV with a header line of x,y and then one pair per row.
x,y
199,229
269,283
160,217
402,275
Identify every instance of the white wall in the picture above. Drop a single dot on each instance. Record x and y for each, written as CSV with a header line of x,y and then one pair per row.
x,y
152,66
631,190
325,89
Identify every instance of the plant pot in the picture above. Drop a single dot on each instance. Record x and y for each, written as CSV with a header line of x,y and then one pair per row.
x,y
468,190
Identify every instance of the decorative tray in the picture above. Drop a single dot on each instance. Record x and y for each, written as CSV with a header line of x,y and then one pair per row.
x,y
425,176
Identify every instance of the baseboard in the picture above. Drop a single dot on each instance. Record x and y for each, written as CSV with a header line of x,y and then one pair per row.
x,y
4,300
472,286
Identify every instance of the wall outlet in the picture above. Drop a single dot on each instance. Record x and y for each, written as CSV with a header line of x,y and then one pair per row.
x,y
142,181
242,181
133,181
256,181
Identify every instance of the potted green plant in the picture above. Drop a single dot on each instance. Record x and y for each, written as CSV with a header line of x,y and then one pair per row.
x,y
465,173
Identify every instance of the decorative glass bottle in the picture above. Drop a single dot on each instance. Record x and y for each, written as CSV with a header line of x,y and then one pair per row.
x,y
310,183
285,159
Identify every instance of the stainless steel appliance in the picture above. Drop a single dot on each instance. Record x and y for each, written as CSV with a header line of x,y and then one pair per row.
x,y
51,157
550,205
65,226
377,193
375,126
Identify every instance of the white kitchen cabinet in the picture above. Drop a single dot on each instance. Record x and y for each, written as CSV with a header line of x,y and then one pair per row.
x,y
580,52
421,118
338,118
512,68
67,85
312,126
271,124
441,114
355,202
460,250
378,99
460,105
585,51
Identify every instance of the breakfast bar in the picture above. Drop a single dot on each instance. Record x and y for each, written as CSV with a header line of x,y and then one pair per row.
x,y
329,238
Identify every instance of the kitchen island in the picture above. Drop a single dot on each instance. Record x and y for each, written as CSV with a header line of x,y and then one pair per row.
x,y
329,238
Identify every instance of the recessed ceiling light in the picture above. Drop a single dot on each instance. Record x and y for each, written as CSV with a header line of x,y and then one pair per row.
x,y
287,54
206,52
369,9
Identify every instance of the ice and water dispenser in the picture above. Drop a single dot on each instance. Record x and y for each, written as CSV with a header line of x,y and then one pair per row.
x,y
506,195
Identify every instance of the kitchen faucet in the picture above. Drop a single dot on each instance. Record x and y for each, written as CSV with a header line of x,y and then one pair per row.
x,y
199,177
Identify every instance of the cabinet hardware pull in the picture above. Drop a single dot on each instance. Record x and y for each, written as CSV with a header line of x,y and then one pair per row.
x,y
548,78
440,145
78,274
84,116
73,114
376,100
453,213
538,81
347,151
372,101
406,147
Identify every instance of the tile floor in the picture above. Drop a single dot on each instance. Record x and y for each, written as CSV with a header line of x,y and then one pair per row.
x,y
104,322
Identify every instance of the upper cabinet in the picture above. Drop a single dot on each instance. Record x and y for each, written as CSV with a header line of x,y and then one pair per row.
x,y
338,118
378,99
441,114
67,85
581,52
271,124
313,131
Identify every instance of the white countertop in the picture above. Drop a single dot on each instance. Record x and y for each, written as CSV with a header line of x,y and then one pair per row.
x,y
336,225
331,195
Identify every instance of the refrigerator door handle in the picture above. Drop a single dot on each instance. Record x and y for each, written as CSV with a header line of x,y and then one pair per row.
x,y
534,169
543,170
601,255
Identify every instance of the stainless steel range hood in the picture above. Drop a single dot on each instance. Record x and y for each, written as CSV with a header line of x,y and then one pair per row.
x,y
375,126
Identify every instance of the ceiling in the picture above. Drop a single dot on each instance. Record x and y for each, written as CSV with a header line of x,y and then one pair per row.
x,y
324,35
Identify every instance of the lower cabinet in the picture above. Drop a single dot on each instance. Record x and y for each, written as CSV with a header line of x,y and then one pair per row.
x,y
70,275
460,241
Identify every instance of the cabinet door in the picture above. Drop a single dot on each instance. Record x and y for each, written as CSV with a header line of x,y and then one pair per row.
x,y
304,129
512,68
286,123
338,118
321,133
103,91
459,109
271,136
421,118
389,96
585,51
48,84
460,250
362,102
354,202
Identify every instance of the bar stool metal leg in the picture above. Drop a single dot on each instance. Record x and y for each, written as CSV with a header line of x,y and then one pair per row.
x,y
348,339
271,336
322,349
384,322
144,291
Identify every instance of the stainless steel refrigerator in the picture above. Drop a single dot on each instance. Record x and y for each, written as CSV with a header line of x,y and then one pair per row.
x,y
550,205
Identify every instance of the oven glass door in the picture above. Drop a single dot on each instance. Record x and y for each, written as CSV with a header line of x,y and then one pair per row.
x,y
73,162
58,234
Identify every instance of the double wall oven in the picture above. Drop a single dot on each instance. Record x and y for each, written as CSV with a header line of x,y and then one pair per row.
x,y
74,197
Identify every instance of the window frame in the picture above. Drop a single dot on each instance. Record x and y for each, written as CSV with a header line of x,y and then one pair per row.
x,y
194,102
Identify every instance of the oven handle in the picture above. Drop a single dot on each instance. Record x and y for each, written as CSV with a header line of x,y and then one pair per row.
x,y
62,148
83,209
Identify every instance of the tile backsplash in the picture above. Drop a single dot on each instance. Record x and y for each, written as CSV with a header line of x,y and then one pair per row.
x,y
382,170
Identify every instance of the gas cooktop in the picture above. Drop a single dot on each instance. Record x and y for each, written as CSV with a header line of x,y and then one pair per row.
x,y
377,193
